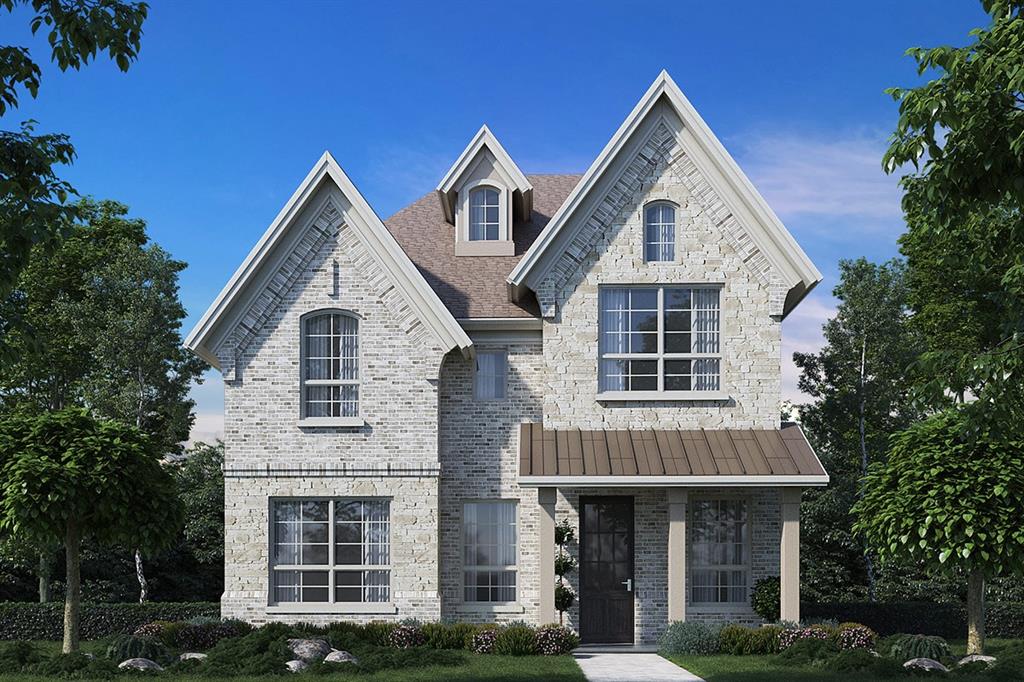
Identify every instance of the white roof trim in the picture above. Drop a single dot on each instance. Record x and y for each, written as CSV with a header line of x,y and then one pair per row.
x,y
795,267
380,241
671,481
483,138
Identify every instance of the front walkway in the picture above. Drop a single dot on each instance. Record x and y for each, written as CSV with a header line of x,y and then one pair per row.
x,y
631,667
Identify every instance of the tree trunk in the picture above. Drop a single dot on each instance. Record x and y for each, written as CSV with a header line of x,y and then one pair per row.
x,y
73,595
45,572
862,428
975,612
141,575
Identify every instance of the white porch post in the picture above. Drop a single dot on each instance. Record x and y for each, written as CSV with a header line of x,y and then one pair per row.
x,y
789,555
677,498
546,554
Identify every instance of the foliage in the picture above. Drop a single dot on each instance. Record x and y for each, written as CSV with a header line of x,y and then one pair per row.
x,y
808,650
407,637
690,637
565,596
201,489
204,636
732,639
378,632
1008,666
906,647
123,647
76,666
485,640
790,636
27,620
766,597
516,640
17,654
448,635
564,533
264,651
564,564
554,640
855,636
862,661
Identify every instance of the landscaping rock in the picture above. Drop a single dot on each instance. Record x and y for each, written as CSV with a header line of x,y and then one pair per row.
x,y
976,658
309,650
139,664
341,657
192,656
296,666
928,664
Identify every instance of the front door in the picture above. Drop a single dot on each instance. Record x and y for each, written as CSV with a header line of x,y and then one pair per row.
x,y
606,570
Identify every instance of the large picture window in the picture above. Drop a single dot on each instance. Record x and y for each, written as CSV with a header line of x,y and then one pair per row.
x,y
659,339
330,551
330,365
489,551
719,552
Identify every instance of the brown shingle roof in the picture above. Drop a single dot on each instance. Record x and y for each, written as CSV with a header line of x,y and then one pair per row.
x,y
666,452
474,286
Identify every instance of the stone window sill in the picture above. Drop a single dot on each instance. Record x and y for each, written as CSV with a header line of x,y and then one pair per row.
x,y
310,422
681,396
347,608
470,607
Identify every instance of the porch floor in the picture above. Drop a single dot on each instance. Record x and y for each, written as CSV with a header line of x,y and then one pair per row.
x,y
630,666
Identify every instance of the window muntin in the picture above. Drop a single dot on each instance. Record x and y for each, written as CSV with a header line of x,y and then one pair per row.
x,y
330,551
658,339
489,551
330,366
659,232
491,376
719,551
484,214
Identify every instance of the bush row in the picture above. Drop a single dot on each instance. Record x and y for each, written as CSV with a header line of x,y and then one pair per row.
x,y
1002,619
26,620
688,637
513,639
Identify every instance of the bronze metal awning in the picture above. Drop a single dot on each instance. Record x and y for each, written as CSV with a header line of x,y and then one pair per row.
x,y
666,457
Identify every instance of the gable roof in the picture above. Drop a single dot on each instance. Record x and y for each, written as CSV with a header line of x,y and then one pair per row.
x,y
484,139
797,272
215,323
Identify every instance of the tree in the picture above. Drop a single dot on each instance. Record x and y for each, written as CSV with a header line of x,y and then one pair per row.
x,y
33,199
201,486
950,500
66,477
859,383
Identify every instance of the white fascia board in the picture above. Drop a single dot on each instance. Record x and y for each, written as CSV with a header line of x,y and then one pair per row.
x,y
483,138
501,323
380,241
672,481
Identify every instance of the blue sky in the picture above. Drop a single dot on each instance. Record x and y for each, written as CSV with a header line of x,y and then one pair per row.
x,y
231,103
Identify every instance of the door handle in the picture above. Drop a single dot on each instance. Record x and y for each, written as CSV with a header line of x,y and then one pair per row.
x,y
629,584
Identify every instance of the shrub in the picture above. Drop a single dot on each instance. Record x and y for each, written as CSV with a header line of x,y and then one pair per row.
x,y
203,636
554,640
791,636
565,597
808,650
763,641
766,597
1008,666
29,620
734,639
378,632
448,635
690,637
851,661
516,640
406,636
374,659
16,655
856,636
123,647
74,666
264,651
906,647
484,640
150,630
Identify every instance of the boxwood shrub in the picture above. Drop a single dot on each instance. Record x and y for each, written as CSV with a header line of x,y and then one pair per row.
x,y
29,620
1002,619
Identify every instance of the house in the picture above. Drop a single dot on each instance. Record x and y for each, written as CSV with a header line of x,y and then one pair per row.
x,y
412,405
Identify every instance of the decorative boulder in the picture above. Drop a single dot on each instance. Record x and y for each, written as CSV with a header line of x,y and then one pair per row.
x,y
976,658
341,657
296,666
139,664
192,656
309,650
928,664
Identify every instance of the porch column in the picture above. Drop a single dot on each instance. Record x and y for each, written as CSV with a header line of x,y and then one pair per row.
x,y
546,554
677,554
789,555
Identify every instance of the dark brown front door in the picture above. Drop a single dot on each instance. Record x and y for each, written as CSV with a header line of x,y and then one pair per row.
x,y
606,570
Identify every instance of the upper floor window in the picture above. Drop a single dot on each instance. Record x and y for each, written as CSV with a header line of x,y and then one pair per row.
x,y
659,232
489,380
330,365
719,553
659,339
484,214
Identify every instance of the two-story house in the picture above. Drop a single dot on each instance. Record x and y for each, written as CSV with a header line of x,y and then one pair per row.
x,y
412,405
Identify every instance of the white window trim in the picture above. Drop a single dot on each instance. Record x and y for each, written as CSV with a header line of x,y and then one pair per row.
x,y
503,245
713,606
348,421
676,257
661,355
504,378
514,606
331,606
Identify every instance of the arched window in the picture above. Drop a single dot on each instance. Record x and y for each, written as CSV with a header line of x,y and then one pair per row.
x,y
659,232
484,214
330,365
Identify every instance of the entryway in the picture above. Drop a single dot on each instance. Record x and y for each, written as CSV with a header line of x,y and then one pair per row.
x,y
606,570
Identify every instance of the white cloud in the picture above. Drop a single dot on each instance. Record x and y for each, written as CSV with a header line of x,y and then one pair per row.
x,y
208,428
801,332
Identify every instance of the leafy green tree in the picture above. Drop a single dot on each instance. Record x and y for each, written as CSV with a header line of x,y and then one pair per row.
x,y
858,381
33,206
66,477
950,500
201,484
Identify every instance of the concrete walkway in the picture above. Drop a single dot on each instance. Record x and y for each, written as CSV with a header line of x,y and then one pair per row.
x,y
631,667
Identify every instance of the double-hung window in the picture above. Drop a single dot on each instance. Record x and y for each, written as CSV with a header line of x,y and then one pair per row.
x,y
484,214
719,551
330,551
659,232
489,551
330,365
659,340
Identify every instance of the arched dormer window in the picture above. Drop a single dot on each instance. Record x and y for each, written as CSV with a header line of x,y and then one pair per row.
x,y
484,214
330,365
659,232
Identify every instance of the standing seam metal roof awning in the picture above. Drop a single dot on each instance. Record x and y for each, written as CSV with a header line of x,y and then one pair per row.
x,y
664,457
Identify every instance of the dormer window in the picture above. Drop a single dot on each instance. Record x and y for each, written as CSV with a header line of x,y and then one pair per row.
x,y
484,214
659,232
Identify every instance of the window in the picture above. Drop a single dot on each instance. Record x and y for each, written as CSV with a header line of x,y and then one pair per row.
x,y
489,551
489,380
660,232
330,367
719,563
484,214
331,551
659,339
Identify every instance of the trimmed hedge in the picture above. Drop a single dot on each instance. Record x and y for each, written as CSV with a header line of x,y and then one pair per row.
x,y
1002,619
28,620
